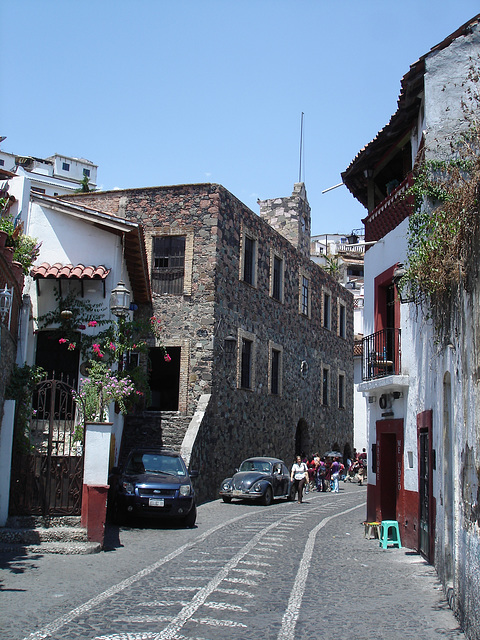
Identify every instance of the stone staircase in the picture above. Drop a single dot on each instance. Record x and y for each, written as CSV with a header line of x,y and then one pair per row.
x,y
152,429
24,535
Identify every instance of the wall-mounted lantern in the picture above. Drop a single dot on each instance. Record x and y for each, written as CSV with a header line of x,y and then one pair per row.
x,y
230,343
352,238
6,297
402,291
120,300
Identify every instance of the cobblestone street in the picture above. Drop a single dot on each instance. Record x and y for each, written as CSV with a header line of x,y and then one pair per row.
x,y
286,572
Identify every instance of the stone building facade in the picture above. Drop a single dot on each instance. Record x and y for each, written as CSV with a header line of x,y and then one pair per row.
x,y
260,337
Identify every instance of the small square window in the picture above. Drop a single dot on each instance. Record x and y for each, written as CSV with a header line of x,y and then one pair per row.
x,y
2,163
66,166
168,268
86,172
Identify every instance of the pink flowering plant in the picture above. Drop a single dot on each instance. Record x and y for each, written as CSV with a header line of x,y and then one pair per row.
x,y
106,347
100,389
69,320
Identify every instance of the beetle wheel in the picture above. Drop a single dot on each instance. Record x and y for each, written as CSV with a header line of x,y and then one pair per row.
x,y
267,497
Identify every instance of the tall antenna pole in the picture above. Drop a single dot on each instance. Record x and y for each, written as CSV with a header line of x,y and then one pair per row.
x,y
301,149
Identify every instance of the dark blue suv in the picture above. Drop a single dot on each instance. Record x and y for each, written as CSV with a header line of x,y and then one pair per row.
x,y
153,483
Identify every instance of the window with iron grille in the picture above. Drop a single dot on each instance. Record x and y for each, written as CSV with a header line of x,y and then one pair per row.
x,y
325,387
168,264
326,310
249,261
277,278
275,372
246,364
341,391
342,315
305,295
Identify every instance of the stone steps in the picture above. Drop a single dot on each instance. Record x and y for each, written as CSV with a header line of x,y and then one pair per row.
x,y
62,548
34,534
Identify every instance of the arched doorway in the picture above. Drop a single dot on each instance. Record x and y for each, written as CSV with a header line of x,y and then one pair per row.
x,y
302,438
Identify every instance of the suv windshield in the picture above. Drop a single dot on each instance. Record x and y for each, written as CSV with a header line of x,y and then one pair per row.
x,y
155,463
255,465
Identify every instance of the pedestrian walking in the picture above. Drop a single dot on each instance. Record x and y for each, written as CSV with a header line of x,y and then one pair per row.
x,y
299,476
335,474
321,471
362,460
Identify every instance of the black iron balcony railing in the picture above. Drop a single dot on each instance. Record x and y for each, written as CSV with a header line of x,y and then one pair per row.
x,y
381,354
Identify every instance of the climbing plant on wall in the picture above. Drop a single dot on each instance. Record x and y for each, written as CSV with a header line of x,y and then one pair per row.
x,y
443,234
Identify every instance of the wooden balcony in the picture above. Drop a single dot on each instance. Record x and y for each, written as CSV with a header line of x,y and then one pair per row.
x,y
390,212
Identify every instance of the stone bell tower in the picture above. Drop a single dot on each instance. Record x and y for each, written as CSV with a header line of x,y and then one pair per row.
x,y
290,216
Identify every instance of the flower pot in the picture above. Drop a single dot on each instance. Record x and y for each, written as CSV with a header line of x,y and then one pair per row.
x,y
3,238
8,253
17,270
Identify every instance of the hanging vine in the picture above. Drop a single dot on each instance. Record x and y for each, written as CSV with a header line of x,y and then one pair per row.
x,y
443,234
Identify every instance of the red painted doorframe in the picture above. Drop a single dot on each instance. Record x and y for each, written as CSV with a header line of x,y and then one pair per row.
x,y
390,427
424,423
381,283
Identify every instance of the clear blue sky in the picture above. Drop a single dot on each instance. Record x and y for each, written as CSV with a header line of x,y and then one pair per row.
x,y
161,92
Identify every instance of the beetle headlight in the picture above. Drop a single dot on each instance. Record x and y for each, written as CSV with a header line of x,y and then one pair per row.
x,y
257,488
129,487
185,490
226,486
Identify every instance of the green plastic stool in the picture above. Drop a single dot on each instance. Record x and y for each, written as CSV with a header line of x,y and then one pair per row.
x,y
390,525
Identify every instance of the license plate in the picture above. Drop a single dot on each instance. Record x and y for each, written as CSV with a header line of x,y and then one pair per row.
x,y
237,492
156,502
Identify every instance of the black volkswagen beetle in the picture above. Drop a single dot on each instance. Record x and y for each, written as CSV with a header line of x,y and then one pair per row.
x,y
153,483
261,479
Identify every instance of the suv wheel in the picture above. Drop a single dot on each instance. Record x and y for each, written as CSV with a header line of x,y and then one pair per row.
x,y
190,519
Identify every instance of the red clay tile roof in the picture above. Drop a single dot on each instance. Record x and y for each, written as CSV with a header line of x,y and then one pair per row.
x,y
70,271
357,348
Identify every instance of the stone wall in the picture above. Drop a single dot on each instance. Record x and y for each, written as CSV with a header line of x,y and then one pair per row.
x,y
217,303
290,216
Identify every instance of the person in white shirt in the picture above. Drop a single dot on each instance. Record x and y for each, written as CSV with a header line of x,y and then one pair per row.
x,y
299,476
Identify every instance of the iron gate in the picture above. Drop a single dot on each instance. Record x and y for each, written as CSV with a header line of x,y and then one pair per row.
x,y
47,463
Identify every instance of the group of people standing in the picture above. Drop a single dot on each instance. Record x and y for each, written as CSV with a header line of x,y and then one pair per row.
x,y
324,473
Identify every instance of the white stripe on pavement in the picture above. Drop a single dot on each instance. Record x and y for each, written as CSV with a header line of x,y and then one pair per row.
x,y
290,617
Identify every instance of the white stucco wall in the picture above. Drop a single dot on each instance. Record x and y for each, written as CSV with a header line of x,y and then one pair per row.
x,y
360,439
69,240
457,478
441,377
